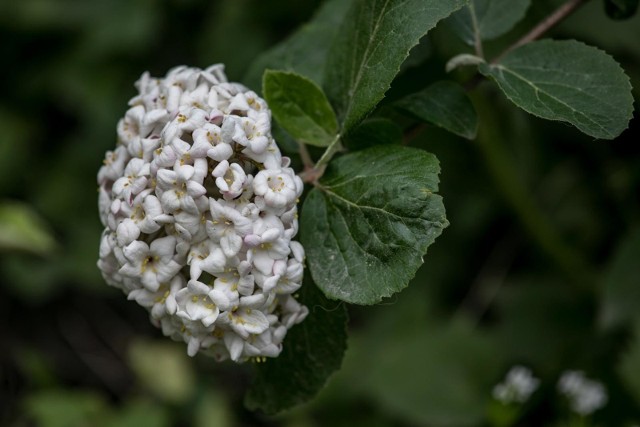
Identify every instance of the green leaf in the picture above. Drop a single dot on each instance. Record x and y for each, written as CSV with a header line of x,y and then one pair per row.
x,y
446,105
21,228
487,19
312,351
370,222
621,297
373,41
372,132
300,106
567,81
306,50
620,9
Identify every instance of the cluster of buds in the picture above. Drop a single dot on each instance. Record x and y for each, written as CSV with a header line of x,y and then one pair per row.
x,y
199,209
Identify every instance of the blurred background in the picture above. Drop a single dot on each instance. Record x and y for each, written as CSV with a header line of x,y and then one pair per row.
x,y
540,266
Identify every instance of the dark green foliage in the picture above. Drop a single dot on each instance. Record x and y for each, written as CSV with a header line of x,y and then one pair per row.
x,y
488,19
374,131
567,81
621,9
370,221
444,104
373,41
313,351
305,51
300,107
538,267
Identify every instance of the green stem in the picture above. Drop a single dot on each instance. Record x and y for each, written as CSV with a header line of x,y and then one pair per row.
x,y
304,156
312,174
477,42
331,150
505,175
557,16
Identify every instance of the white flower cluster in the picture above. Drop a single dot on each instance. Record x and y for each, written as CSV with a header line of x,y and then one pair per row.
x,y
199,209
517,386
585,396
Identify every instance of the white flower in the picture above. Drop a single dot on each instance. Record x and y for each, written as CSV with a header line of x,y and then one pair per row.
x,y
245,321
517,386
183,77
214,74
151,264
197,336
146,86
197,98
227,226
127,232
146,212
190,227
129,126
162,301
207,141
265,344
194,303
252,134
206,256
292,311
187,120
113,165
235,345
230,179
108,262
267,244
144,148
104,204
133,181
585,396
136,130
166,155
287,277
226,293
278,187
177,190
195,230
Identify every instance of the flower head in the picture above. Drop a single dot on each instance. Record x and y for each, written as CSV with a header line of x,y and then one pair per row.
x,y
199,209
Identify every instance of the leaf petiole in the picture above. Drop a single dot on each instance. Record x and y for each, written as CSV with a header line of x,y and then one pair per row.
x,y
331,150
477,45
312,175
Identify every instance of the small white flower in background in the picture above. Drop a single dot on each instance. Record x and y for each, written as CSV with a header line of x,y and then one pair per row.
x,y
517,387
199,209
585,395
